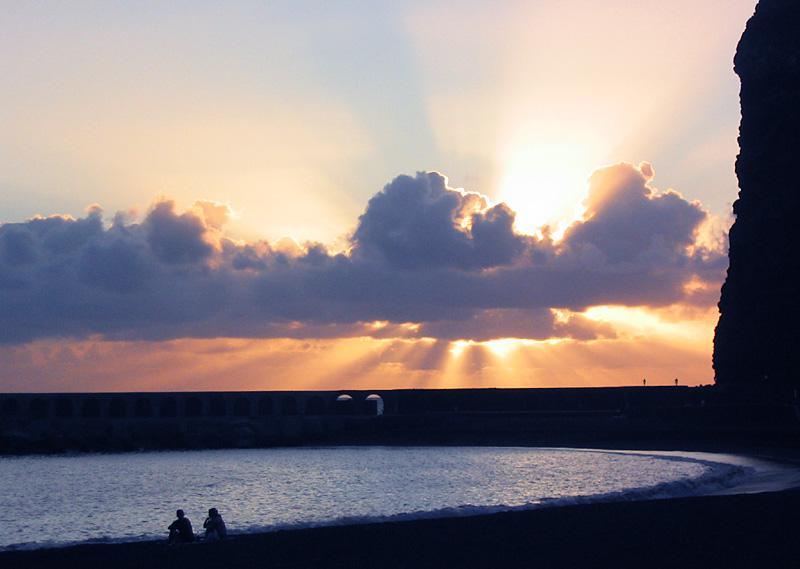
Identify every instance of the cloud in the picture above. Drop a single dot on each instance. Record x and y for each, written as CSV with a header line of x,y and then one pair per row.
x,y
420,223
627,222
180,238
425,260
534,324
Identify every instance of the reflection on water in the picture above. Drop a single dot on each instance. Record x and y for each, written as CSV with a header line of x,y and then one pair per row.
x,y
61,499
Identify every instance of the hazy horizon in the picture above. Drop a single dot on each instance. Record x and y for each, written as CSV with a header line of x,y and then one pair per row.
x,y
411,194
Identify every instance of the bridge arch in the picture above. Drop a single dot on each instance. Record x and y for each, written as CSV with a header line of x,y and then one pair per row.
x,y
266,406
374,405
194,407
289,406
142,408
344,404
217,406
117,408
10,406
241,406
315,405
168,408
90,408
37,408
64,408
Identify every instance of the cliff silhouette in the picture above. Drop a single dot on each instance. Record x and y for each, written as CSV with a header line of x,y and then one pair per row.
x,y
755,344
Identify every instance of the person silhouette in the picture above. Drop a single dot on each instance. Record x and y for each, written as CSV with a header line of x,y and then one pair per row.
x,y
215,525
180,531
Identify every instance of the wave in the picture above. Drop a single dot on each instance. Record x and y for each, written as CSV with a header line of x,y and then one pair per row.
x,y
719,476
723,474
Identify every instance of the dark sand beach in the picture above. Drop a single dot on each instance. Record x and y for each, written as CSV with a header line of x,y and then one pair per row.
x,y
747,530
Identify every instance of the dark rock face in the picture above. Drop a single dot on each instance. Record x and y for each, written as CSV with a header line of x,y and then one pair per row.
x,y
756,348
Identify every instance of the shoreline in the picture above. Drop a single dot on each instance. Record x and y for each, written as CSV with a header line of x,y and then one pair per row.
x,y
706,531
758,525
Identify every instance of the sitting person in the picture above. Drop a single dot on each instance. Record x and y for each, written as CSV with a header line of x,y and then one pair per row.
x,y
215,525
181,529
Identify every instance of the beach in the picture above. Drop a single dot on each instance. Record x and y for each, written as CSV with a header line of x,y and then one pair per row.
x,y
741,530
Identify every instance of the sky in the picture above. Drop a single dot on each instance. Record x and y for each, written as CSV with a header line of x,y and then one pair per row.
x,y
346,195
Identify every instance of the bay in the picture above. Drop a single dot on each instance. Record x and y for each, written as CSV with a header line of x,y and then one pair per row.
x,y
58,500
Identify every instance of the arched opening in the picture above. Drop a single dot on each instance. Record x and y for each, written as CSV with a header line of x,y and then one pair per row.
x,y
194,407
38,408
64,408
315,405
241,407
217,407
116,408
289,406
168,408
373,405
265,406
344,405
10,407
90,409
142,408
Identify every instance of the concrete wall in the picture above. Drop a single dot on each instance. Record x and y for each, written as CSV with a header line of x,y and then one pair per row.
x,y
255,404
188,405
87,422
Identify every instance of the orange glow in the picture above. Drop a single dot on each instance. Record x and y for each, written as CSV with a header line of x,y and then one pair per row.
x,y
503,349
540,182
658,345
516,102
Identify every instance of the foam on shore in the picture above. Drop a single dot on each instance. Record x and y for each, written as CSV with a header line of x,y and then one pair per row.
x,y
726,474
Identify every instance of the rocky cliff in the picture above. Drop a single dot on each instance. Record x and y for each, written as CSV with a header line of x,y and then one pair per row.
x,y
756,342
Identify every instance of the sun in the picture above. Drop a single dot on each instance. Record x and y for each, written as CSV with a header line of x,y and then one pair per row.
x,y
542,184
544,156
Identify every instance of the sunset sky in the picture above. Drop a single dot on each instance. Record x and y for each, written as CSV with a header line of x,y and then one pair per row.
x,y
325,195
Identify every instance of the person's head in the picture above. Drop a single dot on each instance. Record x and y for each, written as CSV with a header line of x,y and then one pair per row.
x,y
179,513
213,513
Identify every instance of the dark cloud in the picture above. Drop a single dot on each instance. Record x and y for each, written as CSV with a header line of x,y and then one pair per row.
x,y
426,260
177,238
421,223
627,223
117,266
17,247
533,324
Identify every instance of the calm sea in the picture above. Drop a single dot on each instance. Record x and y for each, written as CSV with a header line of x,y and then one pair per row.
x,y
57,500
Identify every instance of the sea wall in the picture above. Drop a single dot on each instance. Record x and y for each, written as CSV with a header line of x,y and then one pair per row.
x,y
19,408
88,422
59,422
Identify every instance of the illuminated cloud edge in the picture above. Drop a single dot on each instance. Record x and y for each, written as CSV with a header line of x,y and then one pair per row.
x,y
425,260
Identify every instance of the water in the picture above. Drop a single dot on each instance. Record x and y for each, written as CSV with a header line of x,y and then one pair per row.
x,y
57,500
